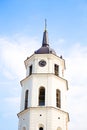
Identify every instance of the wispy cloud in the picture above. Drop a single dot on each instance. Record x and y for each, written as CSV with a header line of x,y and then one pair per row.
x,y
76,74
77,63
14,51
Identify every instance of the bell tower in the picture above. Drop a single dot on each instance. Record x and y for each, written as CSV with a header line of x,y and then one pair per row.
x,y
43,97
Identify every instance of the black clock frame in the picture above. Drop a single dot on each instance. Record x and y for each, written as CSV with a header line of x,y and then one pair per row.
x,y
42,63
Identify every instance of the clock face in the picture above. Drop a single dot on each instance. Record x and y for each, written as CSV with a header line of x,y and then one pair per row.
x,y
42,63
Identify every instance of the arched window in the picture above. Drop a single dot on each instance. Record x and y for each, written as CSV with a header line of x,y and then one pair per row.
x,y
41,128
58,98
26,99
42,96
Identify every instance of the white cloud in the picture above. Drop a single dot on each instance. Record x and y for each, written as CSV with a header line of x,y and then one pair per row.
x,y
61,40
13,52
76,62
76,72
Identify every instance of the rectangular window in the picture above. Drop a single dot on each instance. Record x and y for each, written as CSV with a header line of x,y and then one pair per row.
x,y
58,98
42,96
30,70
56,69
26,99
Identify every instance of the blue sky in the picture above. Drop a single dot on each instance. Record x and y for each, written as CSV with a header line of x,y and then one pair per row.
x,y
21,31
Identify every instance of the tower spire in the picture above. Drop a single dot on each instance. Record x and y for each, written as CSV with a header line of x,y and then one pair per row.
x,y
45,48
45,36
45,24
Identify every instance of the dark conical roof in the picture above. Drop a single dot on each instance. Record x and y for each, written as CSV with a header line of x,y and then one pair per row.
x,y
45,48
45,39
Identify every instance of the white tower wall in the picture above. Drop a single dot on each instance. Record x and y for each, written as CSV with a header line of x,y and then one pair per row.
x,y
41,73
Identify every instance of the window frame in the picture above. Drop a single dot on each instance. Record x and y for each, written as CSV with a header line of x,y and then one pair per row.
x,y
41,96
30,69
26,99
56,69
58,98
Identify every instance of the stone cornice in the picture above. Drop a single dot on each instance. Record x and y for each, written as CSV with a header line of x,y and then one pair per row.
x,y
44,107
46,75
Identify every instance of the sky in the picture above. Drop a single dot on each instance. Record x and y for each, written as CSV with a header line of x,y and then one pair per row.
x,y
21,32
